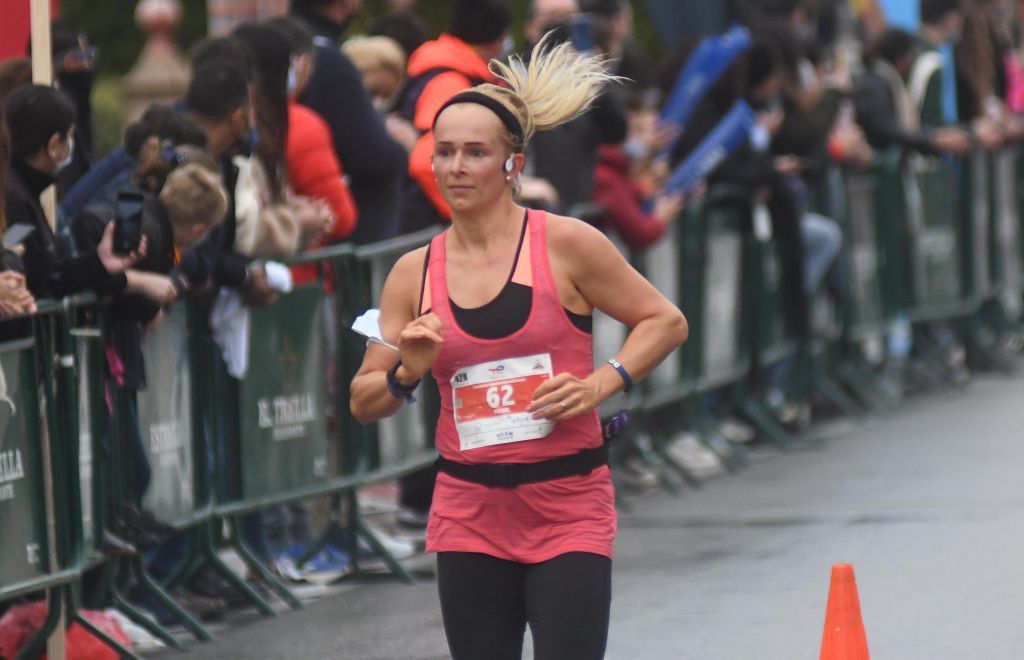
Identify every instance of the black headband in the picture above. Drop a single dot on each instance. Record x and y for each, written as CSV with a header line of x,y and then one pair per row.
x,y
497,107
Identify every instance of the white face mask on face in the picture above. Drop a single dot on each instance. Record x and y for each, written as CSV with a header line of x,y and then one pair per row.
x,y
67,159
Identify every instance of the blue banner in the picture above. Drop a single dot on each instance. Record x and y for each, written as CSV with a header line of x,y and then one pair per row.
x,y
703,68
729,134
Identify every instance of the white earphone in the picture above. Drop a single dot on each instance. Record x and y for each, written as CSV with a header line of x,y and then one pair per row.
x,y
509,164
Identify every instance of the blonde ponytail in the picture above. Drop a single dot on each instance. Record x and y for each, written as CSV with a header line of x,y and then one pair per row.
x,y
556,85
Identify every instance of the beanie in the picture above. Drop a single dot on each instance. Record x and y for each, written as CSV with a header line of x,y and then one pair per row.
x,y
34,113
479,21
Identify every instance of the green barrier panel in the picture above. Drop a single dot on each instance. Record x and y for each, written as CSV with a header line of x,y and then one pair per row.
x,y
891,219
283,396
865,314
165,418
765,326
723,355
1007,269
405,434
609,335
661,264
975,230
89,396
24,550
933,227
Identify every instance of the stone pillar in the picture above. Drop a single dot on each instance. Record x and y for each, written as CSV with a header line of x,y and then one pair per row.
x,y
161,74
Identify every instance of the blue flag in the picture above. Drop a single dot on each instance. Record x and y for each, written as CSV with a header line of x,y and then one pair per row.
x,y
705,65
727,136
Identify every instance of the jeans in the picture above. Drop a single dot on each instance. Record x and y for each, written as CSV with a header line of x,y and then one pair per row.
x,y
822,242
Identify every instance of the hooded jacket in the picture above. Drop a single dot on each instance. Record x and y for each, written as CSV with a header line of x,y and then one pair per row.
x,y
459,69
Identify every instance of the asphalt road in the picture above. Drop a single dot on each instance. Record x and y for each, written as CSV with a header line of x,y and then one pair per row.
x,y
927,503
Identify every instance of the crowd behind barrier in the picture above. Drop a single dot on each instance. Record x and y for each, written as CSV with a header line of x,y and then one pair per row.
x,y
725,277
927,285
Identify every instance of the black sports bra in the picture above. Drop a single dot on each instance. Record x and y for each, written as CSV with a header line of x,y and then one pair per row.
x,y
508,311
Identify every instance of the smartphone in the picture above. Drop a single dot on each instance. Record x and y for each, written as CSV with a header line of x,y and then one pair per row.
x,y
581,32
15,234
127,221
79,59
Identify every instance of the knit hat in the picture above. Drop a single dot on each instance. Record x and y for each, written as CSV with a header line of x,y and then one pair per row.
x,y
479,21
34,113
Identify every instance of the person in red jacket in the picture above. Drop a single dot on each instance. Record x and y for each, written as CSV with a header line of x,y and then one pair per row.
x,y
630,175
439,69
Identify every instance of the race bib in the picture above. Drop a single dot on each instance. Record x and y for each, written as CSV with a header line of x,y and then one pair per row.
x,y
490,401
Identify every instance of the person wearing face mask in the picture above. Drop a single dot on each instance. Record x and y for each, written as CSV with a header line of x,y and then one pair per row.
x,y
41,121
312,166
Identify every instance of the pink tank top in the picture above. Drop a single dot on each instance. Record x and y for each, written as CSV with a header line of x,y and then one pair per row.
x,y
532,522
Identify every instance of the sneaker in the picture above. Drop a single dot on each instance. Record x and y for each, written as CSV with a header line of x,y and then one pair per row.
x,y
205,607
412,518
635,473
734,430
322,568
687,450
399,548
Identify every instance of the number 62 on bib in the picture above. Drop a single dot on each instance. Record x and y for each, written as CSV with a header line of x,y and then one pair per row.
x,y
490,401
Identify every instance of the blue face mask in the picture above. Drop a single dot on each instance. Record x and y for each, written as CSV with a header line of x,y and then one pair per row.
x,y
67,159
293,80
254,140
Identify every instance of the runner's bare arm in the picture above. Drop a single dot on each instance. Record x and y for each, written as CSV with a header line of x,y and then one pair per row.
x,y
400,325
590,272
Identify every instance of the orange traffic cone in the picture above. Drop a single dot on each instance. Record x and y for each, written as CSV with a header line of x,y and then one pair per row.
x,y
844,637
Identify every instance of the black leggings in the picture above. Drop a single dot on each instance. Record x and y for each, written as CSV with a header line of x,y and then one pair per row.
x,y
486,603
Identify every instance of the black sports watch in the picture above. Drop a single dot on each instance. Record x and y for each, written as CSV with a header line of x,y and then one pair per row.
x,y
398,390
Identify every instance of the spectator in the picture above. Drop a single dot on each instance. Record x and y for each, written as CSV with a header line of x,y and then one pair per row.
x,y
630,60
15,298
73,61
114,172
375,162
271,220
622,194
439,69
884,108
381,62
42,124
942,24
313,167
406,28
757,78
566,156
184,199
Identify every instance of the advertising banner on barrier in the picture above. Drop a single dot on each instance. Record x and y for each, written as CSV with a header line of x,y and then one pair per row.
x,y
934,219
165,418
722,296
22,513
283,397
863,253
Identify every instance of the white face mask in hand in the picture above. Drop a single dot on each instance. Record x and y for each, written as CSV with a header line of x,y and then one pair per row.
x,y
67,160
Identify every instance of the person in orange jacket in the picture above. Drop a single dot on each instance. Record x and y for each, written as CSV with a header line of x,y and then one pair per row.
x,y
439,69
